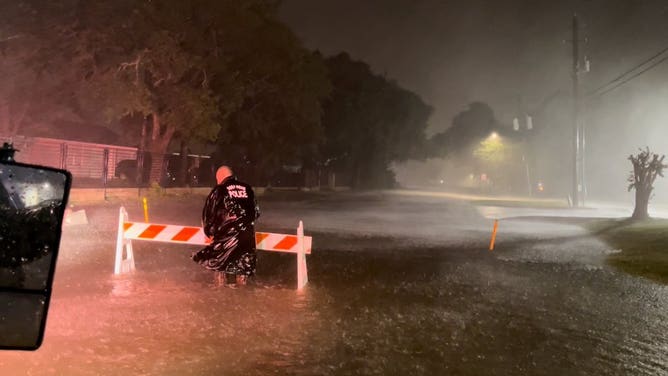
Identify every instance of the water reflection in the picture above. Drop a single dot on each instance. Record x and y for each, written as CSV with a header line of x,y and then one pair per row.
x,y
365,314
122,285
400,310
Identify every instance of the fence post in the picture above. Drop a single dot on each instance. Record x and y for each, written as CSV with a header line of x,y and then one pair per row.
x,y
63,156
105,170
139,176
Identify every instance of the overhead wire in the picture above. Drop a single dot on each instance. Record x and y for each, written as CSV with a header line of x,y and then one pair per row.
x,y
634,76
603,89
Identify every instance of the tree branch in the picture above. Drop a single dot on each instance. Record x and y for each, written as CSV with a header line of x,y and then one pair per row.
x,y
162,80
205,82
134,64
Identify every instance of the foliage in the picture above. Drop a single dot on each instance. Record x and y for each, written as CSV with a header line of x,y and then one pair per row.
x,y
468,128
492,150
646,167
197,70
370,122
24,89
118,57
279,119
202,72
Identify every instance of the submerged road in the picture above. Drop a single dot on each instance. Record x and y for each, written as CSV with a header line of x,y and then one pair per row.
x,y
398,285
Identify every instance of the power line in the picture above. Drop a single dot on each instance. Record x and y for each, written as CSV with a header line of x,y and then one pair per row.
x,y
596,92
547,99
634,76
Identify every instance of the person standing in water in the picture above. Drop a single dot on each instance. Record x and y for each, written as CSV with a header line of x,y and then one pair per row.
x,y
228,219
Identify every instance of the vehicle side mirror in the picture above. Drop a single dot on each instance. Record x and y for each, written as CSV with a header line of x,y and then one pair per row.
x,y
32,204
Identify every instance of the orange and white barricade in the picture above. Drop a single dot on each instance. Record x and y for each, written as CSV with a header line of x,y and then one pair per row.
x,y
264,241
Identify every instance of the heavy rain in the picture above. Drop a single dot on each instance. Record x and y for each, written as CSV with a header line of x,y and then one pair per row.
x,y
382,298
482,183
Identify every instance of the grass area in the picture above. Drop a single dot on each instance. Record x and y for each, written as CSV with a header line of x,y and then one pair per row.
x,y
643,245
528,203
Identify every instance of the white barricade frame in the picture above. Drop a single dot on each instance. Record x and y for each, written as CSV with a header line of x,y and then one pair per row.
x,y
264,241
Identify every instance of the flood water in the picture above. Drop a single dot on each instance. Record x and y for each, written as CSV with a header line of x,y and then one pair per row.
x,y
398,285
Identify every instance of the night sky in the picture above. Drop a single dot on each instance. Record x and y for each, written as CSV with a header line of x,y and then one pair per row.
x,y
511,54
514,55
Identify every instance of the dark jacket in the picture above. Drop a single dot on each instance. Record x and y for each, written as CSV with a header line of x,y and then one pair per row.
x,y
230,209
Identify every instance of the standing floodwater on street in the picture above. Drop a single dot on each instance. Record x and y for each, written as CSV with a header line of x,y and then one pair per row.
x,y
383,298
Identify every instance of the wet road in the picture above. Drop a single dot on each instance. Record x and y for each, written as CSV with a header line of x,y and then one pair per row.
x,y
398,285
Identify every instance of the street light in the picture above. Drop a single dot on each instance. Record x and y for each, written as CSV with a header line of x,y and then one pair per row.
x,y
494,136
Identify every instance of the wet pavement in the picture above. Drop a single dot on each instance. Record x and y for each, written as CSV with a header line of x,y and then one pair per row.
x,y
398,285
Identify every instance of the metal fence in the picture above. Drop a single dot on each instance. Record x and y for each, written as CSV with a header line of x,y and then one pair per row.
x,y
106,166
99,165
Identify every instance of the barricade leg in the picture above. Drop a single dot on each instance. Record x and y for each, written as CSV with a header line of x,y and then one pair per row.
x,y
127,264
302,272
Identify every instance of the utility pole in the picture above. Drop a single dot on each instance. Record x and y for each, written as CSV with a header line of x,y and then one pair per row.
x,y
577,194
517,127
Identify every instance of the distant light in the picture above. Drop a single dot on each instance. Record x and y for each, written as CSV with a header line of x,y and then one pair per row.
x,y
516,124
494,135
441,181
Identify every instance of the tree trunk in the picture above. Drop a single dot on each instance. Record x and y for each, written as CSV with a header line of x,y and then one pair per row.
x,y
158,148
642,203
140,178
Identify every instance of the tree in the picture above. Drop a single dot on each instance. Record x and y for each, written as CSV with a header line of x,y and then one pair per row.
x,y
195,70
279,118
152,64
188,72
468,128
14,100
369,123
492,151
646,167
25,87
119,57
496,155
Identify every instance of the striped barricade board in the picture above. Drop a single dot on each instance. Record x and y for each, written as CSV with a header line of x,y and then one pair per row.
x,y
164,233
265,241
